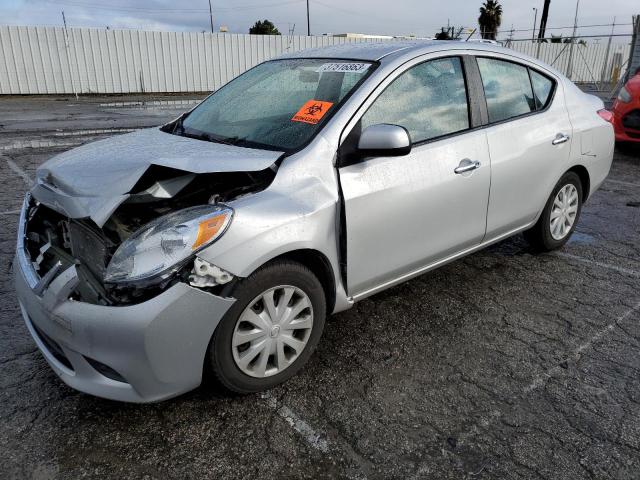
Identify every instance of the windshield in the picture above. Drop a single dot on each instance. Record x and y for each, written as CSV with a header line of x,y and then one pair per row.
x,y
277,105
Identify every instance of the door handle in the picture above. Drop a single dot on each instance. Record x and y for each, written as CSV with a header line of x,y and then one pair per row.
x,y
560,138
466,165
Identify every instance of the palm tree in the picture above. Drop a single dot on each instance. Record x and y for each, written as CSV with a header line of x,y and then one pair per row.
x,y
490,19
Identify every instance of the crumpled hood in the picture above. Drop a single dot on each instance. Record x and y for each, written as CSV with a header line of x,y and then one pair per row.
x,y
94,179
113,166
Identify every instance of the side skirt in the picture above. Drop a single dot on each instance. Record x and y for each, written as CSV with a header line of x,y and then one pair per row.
x,y
439,263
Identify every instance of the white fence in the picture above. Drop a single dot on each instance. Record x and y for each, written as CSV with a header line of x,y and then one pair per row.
x,y
46,60
37,60
588,63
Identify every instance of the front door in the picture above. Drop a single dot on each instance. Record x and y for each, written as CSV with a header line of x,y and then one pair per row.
x,y
403,213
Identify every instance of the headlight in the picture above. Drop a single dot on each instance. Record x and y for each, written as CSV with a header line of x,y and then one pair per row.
x,y
624,96
162,246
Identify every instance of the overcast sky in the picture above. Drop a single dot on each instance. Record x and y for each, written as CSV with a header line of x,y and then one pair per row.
x,y
397,17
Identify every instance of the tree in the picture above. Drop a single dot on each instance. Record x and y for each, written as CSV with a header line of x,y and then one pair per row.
x,y
264,28
448,33
443,34
490,19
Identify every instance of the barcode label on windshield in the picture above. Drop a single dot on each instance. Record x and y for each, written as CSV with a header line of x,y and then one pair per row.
x,y
344,67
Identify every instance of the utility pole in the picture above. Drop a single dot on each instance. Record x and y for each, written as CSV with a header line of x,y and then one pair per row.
x,y
290,40
308,22
211,16
66,44
573,41
510,38
606,56
543,19
535,18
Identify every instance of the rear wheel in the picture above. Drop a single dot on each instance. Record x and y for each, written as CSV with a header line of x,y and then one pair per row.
x,y
268,335
560,215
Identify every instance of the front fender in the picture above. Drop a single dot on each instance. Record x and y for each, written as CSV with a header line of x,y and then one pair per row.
x,y
271,223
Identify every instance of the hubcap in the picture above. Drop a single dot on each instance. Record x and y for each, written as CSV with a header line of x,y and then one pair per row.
x,y
564,211
272,331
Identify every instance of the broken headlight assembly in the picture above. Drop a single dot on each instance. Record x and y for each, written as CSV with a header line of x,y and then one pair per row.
x,y
164,245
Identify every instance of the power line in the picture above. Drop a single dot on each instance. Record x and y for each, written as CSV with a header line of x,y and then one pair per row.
x,y
168,10
528,39
570,26
369,15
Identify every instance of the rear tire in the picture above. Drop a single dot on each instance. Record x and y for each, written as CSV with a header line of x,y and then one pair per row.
x,y
278,308
560,215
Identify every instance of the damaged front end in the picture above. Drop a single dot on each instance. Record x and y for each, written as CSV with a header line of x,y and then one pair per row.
x,y
147,244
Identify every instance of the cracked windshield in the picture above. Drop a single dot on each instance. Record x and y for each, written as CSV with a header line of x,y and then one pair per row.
x,y
277,105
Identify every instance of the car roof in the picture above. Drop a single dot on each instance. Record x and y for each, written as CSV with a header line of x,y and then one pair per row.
x,y
357,51
391,49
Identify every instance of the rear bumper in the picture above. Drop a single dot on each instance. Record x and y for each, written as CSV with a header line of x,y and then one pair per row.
x,y
140,353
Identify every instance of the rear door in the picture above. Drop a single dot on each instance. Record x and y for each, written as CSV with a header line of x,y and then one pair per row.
x,y
529,136
403,213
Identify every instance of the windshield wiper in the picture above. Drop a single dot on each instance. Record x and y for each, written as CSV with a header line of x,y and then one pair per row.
x,y
178,126
179,129
228,140
225,141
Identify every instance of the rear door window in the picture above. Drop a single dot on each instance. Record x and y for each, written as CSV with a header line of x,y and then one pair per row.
x,y
507,89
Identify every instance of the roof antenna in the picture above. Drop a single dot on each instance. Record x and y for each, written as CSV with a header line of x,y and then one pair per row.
x,y
470,35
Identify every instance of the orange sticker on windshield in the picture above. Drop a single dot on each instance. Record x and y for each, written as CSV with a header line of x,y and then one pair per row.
x,y
312,111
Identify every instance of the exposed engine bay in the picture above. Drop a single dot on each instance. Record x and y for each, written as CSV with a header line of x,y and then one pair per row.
x,y
55,242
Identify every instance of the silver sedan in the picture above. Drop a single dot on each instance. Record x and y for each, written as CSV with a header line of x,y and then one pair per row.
x,y
218,243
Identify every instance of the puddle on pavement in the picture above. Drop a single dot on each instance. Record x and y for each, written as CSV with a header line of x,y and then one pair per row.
x,y
155,104
516,245
71,142
578,238
38,144
98,131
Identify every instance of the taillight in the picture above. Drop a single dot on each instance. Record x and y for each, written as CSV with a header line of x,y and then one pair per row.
x,y
606,115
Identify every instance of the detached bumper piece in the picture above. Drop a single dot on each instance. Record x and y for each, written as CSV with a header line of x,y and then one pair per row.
x,y
138,353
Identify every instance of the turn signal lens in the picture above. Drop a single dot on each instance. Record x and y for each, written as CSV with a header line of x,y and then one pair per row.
x,y
606,115
207,229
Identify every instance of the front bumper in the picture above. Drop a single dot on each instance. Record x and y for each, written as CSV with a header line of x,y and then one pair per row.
x,y
631,131
140,353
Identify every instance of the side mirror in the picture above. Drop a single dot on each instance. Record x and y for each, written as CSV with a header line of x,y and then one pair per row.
x,y
384,140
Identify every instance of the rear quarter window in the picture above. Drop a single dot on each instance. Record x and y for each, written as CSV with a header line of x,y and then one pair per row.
x,y
542,89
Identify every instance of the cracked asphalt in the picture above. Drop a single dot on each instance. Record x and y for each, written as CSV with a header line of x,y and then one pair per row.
x,y
505,364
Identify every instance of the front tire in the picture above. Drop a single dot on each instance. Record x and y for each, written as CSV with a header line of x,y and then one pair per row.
x,y
560,215
268,335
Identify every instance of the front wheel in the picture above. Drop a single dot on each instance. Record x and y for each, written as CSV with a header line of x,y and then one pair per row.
x,y
560,215
268,335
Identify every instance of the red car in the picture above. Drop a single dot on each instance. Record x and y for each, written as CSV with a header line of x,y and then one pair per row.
x,y
626,111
